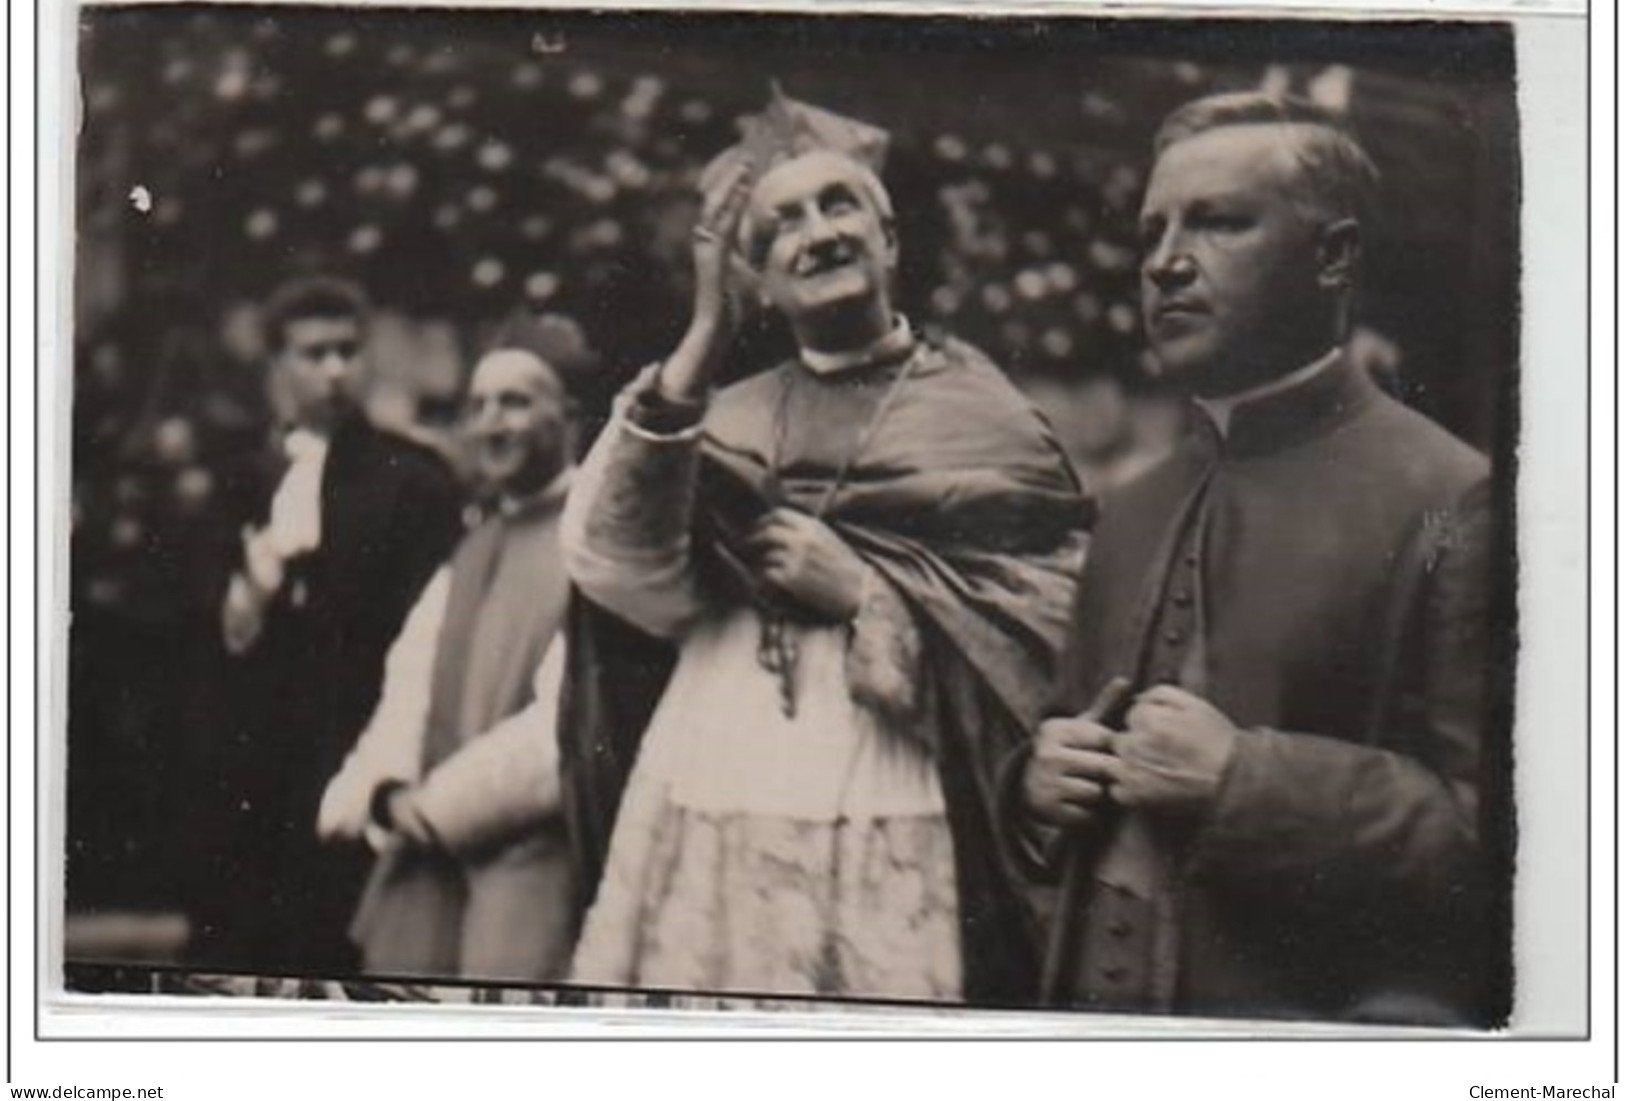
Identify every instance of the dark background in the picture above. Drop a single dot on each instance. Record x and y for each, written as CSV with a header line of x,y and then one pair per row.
x,y
471,168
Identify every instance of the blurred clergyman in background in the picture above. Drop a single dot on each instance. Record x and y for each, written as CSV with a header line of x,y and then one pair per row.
x,y
358,521
456,779
1265,799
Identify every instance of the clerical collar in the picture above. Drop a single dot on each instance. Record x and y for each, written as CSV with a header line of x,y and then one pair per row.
x,y
303,444
1220,410
890,346
552,493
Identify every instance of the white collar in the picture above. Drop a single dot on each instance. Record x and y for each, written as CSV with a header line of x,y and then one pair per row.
x,y
301,444
1222,409
828,363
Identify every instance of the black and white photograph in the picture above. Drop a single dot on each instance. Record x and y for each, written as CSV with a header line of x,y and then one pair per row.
x,y
802,513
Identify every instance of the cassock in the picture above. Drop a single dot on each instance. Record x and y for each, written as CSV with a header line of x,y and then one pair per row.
x,y
1319,573
469,713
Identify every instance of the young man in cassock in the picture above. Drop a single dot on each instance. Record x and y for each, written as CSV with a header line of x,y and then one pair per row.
x,y
864,556
1268,796
455,781
359,519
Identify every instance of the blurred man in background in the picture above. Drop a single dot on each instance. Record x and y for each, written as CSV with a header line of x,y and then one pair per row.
x,y
1269,788
356,524
456,779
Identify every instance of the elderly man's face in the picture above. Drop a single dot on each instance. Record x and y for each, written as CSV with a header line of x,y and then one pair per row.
x,y
1230,277
827,246
515,421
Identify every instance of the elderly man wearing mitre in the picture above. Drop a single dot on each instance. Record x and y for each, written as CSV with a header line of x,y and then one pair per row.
x,y
864,557
1269,776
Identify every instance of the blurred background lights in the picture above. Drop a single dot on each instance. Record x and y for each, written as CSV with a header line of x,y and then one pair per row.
x,y
193,488
422,118
606,233
401,181
585,85
1122,318
541,285
1031,284
340,45
495,156
366,238
452,137
627,170
536,227
254,143
1056,343
1038,243
236,75
177,70
261,224
950,148
1017,335
1042,165
696,112
174,441
328,127
1062,277
126,532
370,180
488,272
1109,257
1188,72
381,109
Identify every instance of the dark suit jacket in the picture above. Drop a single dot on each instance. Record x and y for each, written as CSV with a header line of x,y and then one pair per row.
x,y
1344,593
301,694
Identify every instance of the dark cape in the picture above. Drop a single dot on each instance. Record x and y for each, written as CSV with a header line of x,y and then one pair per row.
x,y
964,503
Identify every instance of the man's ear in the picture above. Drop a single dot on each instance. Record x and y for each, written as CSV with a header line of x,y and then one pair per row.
x,y
892,252
1339,254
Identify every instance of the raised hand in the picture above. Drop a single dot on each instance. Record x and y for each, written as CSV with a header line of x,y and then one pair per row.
x,y
688,372
715,238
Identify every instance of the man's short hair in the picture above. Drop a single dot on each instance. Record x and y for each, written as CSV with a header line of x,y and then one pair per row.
x,y
754,240
323,296
1338,178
